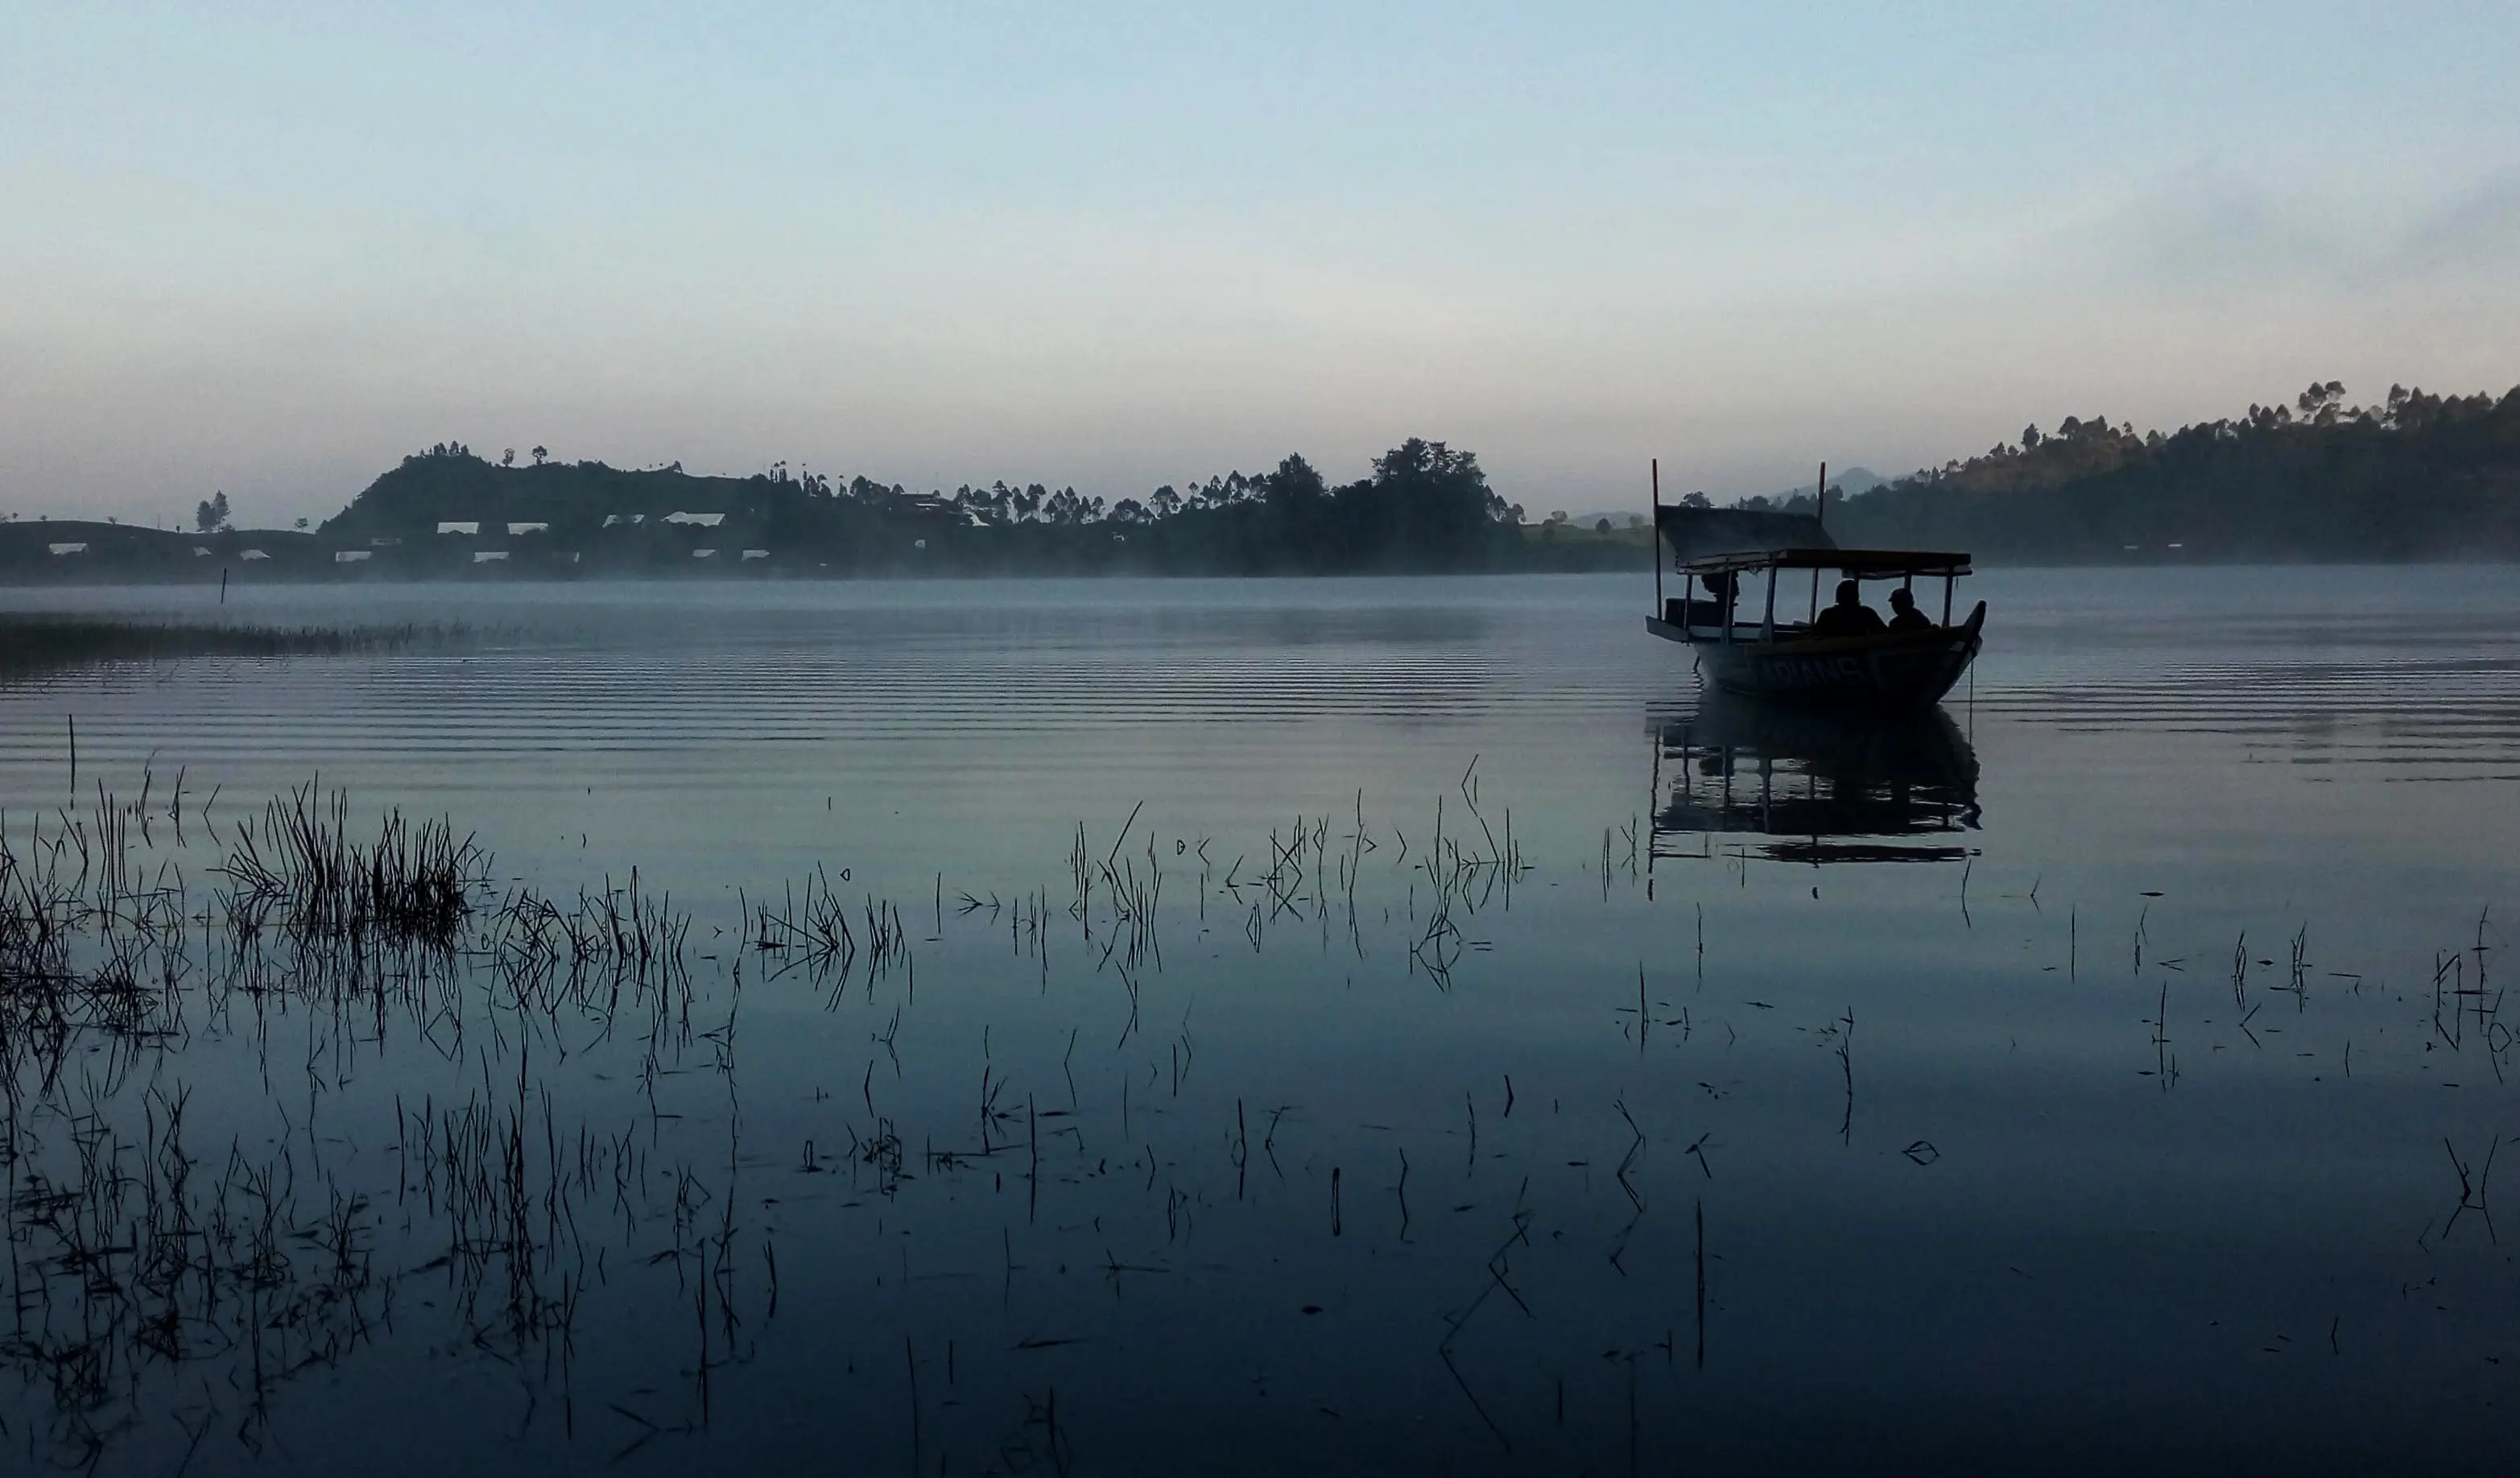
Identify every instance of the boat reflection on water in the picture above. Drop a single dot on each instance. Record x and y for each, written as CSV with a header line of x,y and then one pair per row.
x,y
1825,786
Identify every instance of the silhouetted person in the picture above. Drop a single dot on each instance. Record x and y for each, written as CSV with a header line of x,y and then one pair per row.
x,y
1850,616
1904,614
1716,608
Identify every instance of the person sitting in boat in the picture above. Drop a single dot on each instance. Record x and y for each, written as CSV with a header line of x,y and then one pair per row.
x,y
1717,607
1850,616
1904,614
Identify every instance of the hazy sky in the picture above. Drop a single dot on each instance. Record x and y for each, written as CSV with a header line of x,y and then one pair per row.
x,y
270,250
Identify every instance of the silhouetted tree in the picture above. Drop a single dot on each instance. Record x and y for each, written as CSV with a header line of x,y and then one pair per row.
x,y
1427,505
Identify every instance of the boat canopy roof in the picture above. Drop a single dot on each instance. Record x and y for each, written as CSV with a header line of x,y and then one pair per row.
x,y
1698,533
1854,564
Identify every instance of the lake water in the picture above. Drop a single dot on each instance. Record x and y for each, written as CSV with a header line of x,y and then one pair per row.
x,y
1347,1025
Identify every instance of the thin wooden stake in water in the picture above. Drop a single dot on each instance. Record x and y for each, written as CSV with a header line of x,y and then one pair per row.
x,y
910,1353
1701,1283
73,754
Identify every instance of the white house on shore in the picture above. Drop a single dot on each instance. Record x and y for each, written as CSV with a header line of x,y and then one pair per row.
x,y
465,527
697,521
352,556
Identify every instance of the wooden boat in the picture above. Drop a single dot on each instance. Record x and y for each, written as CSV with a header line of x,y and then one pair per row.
x,y
1725,555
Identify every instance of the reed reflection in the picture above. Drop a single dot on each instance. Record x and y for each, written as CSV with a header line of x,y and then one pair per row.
x,y
1828,787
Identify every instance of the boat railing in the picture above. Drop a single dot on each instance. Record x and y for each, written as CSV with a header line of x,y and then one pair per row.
x,y
1717,620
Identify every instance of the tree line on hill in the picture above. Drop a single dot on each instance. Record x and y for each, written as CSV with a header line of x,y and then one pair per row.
x,y
2417,476
1425,507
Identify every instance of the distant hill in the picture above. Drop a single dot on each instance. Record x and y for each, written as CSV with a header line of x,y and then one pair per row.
x,y
2417,476
445,512
77,551
1852,482
1426,508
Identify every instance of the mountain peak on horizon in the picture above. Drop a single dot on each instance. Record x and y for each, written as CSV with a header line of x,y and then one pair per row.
x,y
1850,481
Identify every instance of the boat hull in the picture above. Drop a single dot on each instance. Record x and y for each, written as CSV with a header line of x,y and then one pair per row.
x,y
1895,669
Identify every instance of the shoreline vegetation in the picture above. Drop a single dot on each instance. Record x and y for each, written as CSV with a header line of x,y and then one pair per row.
x,y
2414,478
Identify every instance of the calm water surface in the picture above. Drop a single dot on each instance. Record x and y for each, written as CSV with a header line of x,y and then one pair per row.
x,y
1359,1025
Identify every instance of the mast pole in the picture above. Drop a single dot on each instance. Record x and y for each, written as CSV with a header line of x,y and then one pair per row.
x,y
1820,498
1657,534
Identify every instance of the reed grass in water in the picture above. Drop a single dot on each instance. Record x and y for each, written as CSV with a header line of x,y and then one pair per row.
x,y
32,644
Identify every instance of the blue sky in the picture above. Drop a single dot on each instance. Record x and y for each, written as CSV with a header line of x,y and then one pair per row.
x,y
270,250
